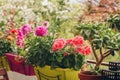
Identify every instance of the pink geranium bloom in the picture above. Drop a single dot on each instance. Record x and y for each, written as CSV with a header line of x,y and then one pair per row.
x,y
78,41
84,50
87,50
73,46
81,50
26,29
69,41
58,44
41,31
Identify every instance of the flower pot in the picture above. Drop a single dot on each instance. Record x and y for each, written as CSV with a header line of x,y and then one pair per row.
x,y
110,75
46,73
87,75
4,63
115,66
19,66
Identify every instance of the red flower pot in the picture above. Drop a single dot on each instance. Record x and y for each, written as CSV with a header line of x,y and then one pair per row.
x,y
18,64
87,75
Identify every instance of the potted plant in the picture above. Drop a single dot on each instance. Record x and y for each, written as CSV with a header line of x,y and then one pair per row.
x,y
104,42
56,58
17,58
5,47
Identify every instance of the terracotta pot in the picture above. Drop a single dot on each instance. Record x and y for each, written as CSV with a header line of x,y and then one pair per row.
x,y
87,75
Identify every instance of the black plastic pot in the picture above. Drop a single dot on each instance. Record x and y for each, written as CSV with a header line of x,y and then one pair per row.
x,y
110,75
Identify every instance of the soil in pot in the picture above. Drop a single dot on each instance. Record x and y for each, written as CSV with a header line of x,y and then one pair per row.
x,y
88,75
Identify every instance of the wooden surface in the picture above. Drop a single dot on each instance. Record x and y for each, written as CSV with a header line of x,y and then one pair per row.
x,y
18,76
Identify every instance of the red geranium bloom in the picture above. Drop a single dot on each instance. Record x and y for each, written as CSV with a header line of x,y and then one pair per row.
x,y
13,31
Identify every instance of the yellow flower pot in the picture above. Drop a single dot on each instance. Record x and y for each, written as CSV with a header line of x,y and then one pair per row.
x,y
46,73
4,63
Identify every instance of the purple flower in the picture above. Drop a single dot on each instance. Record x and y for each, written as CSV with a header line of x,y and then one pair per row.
x,y
20,39
41,31
26,29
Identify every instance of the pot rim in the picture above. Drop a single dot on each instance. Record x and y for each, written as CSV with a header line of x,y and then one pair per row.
x,y
83,74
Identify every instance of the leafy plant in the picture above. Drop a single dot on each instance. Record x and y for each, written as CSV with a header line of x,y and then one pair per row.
x,y
69,53
114,21
65,54
5,47
103,40
39,51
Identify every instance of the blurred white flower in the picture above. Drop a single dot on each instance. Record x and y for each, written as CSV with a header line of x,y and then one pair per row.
x,y
45,2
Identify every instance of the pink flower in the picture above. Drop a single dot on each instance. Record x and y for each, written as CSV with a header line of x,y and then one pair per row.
x,y
58,44
20,39
73,46
78,41
84,50
41,31
87,50
81,50
69,41
26,29
46,24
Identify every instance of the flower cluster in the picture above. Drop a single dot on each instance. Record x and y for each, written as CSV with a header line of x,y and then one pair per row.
x,y
76,45
20,39
22,32
58,44
26,29
42,30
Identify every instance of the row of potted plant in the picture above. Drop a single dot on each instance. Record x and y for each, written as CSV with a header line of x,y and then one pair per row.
x,y
47,48
104,42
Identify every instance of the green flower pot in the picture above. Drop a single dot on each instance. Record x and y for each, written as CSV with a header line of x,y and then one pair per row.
x,y
4,63
46,73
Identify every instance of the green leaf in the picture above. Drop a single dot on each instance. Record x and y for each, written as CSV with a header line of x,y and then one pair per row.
x,y
112,52
78,61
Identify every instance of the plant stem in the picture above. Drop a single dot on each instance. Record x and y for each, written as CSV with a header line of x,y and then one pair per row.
x,y
106,55
98,63
101,59
101,52
106,52
96,57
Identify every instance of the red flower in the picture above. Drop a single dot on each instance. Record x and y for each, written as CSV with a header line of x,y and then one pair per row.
x,y
81,50
87,50
13,31
58,44
73,46
78,41
84,50
69,41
